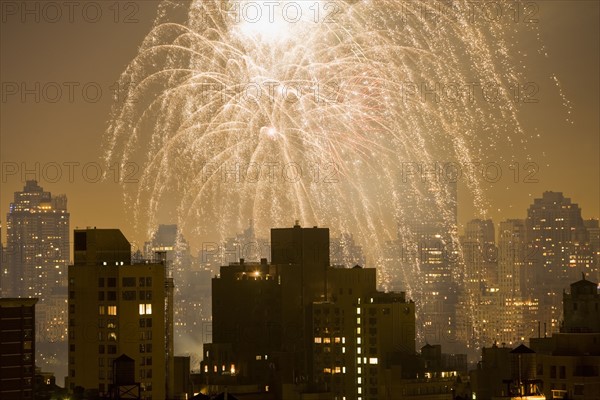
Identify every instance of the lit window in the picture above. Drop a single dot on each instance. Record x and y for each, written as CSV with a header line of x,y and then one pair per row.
x,y
373,360
101,310
145,309
112,310
358,310
317,340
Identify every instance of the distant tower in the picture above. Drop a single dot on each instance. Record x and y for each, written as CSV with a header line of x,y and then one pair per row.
x,y
428,239
512,251
37,237
559,252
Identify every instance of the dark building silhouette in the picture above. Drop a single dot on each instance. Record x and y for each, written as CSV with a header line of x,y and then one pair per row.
x,y
297,325
17,348
568,363
581,308
506,373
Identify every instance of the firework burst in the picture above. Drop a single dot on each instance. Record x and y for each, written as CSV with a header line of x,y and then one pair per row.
x,y
309,112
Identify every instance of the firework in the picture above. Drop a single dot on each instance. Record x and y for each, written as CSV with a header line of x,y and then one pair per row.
x,y
312,110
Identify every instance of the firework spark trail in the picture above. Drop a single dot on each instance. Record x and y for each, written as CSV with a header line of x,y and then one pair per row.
x,y
215,92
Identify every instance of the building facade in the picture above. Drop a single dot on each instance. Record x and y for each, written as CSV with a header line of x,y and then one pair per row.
x,y
118,308
17,348
296,325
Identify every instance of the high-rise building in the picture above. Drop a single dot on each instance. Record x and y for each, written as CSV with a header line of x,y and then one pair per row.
x,y
559,252
512,254
118,308
428,249
480,253
517,310
359,333
297,325
478,297
17,348
37,255
37,239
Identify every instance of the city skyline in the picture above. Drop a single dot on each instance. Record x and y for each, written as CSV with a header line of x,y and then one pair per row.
x,y
300,199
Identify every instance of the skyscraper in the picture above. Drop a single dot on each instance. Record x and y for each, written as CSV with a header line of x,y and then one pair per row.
x,y
559,253
512,253
428,246
478,297
118,308
37,238
518,306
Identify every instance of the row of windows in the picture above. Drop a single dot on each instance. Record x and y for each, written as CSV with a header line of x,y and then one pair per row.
x,y
107,310
110,349
126,282
131,295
